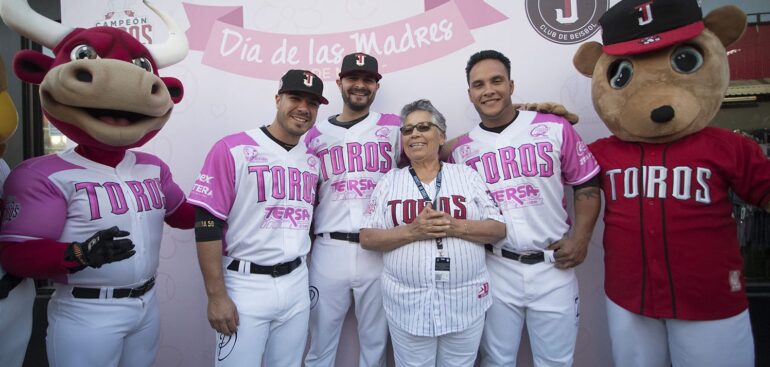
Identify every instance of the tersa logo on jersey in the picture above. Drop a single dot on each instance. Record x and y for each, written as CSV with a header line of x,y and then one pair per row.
x,y
517,196
347,189
566,21
291,217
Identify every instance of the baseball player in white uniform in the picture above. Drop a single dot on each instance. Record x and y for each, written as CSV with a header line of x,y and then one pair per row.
x,y
435,282
355,148
255,197
17,295
526,158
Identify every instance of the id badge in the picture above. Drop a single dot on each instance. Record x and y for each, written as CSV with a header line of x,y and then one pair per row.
x,y
442,269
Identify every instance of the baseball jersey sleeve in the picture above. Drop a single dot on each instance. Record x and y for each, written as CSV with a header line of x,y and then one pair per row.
x,y
172,191
577,163
751,177
375,211
214,189
31,200
481,197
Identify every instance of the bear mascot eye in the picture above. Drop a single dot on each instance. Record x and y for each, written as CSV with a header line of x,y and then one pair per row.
x,y
620,73
686,59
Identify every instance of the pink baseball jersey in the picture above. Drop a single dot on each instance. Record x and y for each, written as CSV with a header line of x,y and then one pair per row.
x,y
352,161
525,167
411,296
68,198
671,245
264,193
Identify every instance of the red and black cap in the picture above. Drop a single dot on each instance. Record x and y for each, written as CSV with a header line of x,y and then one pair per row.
x,y
359,61
303,81
637,26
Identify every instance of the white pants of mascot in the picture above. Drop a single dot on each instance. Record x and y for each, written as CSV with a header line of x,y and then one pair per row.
x,y
108,332
343,274
681,343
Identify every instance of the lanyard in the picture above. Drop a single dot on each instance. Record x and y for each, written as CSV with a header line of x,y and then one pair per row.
x,y
439,241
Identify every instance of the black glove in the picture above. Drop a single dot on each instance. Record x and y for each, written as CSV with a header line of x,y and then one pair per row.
x,y
101,248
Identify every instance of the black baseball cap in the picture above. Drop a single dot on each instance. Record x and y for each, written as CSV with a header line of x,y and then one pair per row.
x,y
359,61
637,26
303,81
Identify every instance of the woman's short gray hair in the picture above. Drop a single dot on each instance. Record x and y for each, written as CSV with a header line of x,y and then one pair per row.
x,y
424,105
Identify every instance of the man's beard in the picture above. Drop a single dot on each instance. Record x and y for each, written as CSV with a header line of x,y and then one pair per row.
x,y
358,107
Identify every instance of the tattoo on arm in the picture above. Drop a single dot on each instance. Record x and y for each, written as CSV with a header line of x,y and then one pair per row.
x,y
587,193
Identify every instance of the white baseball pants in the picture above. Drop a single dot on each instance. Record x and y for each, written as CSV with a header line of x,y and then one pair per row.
x,y
543,296
16,323
639,341
341,274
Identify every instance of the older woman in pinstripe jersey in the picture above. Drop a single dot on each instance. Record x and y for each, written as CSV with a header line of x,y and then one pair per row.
x,y
431,220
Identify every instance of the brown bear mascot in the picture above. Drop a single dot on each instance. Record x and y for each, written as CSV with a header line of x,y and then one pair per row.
x,y
673,269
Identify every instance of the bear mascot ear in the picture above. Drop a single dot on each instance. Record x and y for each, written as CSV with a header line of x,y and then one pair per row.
x,y
586,57
728,23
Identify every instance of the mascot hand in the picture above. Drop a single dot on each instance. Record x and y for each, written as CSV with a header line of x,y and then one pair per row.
x,y
101,248
549,107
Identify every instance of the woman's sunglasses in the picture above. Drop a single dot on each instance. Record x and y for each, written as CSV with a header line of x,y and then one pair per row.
x,y
420,126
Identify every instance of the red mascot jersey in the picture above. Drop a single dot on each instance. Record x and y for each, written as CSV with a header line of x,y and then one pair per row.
x,y
671,248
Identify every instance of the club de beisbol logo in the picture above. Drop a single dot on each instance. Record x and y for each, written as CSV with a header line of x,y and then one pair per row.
x,y
566,21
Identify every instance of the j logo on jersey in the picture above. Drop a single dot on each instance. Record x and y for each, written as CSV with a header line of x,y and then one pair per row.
x,y
517,196
291,217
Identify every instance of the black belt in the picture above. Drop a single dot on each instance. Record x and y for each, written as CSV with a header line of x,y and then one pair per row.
x,y
79,292
529,259
350,237
275,270
7,284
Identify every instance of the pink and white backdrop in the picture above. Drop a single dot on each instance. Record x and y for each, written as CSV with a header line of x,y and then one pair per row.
x,y
239,49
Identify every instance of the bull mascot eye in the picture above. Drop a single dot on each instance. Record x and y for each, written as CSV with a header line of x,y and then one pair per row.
x,y
143,63
82,52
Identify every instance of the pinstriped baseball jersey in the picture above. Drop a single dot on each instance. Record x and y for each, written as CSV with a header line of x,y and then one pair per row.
x,y
264,193
68,198
525,167
411,296
352,161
